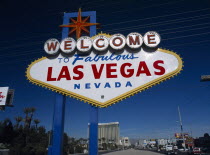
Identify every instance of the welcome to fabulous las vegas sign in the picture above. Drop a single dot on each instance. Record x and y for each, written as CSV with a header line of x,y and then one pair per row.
x,y
104,69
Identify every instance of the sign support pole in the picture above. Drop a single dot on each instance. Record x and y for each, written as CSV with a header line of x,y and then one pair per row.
x,y
93,131
58,126
56,147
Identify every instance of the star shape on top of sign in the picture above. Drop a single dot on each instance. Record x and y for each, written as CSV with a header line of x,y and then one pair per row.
x,y
79,25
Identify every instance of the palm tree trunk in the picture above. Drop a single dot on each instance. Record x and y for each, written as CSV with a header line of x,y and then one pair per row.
x,y
30,120
26,120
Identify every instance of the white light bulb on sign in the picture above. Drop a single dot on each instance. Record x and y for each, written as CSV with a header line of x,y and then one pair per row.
x,y
117,41
68,45
84,44
101,43
152,39
134,40
52,46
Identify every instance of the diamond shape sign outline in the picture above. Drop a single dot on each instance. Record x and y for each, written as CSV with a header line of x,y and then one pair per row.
x,y
115,99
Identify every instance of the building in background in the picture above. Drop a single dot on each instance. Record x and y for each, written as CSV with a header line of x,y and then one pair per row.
x,y
151,143
162,142
203,142
142,143
108,133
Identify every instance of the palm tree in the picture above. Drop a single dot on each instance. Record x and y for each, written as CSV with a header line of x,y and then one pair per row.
x,y
18,120
31,111
36,121
26,111
6,121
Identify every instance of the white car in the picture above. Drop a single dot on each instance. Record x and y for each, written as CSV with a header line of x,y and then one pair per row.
x,y
169,148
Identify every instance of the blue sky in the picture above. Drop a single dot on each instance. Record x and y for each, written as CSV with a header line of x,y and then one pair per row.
x,y
184,28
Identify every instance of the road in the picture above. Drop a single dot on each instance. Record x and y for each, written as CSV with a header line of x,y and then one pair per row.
x,y
133,152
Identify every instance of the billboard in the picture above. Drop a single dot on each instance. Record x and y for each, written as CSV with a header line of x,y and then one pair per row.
x,y
3,95
179,135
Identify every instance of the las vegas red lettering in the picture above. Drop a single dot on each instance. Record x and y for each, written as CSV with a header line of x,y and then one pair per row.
x,y
65,73
111,70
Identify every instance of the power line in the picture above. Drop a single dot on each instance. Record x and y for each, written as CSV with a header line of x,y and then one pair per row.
x,y
31,37
26,13
103,5
20,60
191,43
187,36
53,10
187,30
162,23
184,27
20,54
93,1
17,52
147,7
155,17
22,45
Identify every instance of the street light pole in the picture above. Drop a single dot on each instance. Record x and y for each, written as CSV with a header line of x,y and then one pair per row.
x,y
180,120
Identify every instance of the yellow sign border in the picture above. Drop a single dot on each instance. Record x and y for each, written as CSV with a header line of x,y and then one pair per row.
x,y
111,101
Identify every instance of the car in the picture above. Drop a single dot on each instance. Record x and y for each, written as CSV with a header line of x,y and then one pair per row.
x,y
163,148
197,150
183,150
175,148
169,149
205,150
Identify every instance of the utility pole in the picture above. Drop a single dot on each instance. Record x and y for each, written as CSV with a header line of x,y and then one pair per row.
x,y
191,130
180,120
